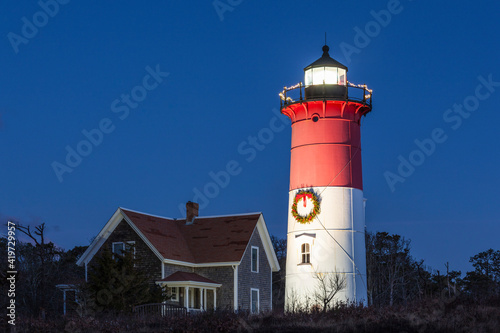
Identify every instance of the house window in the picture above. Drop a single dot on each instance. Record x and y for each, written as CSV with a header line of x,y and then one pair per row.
x,y
119,247
254,300
173,292
255,259
305,252
131,245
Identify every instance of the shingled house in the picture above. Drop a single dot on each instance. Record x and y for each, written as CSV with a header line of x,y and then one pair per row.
x,y
206,262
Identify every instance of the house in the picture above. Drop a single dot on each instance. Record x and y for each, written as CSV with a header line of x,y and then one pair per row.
x,y
206,262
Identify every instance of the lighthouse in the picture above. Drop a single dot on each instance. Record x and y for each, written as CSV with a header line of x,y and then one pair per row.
x,y
326,210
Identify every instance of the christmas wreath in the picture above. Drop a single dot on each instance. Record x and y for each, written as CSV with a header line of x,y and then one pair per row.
x,y
314,212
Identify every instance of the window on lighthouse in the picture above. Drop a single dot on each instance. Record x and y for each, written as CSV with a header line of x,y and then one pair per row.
x,y
342,77
306,253
325,75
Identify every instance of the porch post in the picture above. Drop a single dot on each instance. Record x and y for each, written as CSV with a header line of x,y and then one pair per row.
x,y
215,298
202,302
205,300
186,294
64,302
191,298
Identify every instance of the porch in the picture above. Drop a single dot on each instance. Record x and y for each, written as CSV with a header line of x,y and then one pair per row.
x,y
191,291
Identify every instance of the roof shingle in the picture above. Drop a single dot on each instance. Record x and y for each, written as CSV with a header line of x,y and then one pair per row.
x,y
206,240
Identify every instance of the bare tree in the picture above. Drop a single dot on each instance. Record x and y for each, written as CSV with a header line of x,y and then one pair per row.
x,y
391,271
296,303
278,286
38,260
292,301
329,285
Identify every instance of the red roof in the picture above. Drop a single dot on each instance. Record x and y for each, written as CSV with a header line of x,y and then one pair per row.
x,y
206,240
184,276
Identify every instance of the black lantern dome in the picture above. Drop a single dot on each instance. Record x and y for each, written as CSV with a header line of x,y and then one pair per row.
x,y
325,78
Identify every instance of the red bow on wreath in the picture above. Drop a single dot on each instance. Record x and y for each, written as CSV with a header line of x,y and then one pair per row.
x,y
304,196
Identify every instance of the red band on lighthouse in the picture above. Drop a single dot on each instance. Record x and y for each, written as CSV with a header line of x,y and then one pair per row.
x,y
325,152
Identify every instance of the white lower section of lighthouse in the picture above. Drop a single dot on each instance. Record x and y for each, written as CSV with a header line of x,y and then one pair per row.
x,y
332,243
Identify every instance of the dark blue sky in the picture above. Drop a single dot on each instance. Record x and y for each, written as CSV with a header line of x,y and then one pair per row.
x,y
80,68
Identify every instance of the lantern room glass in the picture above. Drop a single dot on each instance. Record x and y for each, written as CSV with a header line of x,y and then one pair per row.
x,y
325,75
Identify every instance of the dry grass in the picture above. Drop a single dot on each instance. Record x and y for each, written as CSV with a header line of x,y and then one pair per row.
x,y
430,316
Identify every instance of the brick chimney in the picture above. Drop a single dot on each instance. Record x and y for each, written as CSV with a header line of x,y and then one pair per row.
x,y
191,211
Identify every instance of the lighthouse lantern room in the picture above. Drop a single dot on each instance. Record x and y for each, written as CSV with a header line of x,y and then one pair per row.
x,y
326,211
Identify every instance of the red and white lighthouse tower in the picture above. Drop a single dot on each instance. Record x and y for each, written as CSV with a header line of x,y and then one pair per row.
x,y
326,220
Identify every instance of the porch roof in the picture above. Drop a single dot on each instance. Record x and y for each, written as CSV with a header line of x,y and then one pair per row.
x,y
187,279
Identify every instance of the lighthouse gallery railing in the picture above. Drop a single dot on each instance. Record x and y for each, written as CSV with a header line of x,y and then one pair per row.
x,y
287,98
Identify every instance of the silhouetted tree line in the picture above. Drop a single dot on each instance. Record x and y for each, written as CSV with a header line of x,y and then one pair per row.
x,y
40,266
395,277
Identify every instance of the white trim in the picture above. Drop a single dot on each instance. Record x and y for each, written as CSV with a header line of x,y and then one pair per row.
x,y
215,299
271,290
268,245
235,287
113,248
258,300
67,287
251,259
196,284
210,264
133,246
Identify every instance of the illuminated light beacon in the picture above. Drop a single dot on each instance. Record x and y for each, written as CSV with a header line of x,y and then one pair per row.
x,y
326,217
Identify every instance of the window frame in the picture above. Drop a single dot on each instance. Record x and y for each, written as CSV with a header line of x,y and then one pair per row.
x,y
251,300
257,259
124,247
113,248
176,293
305,252
131,244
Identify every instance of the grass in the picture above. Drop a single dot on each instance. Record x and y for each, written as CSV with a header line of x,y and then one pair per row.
x,y
464,315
